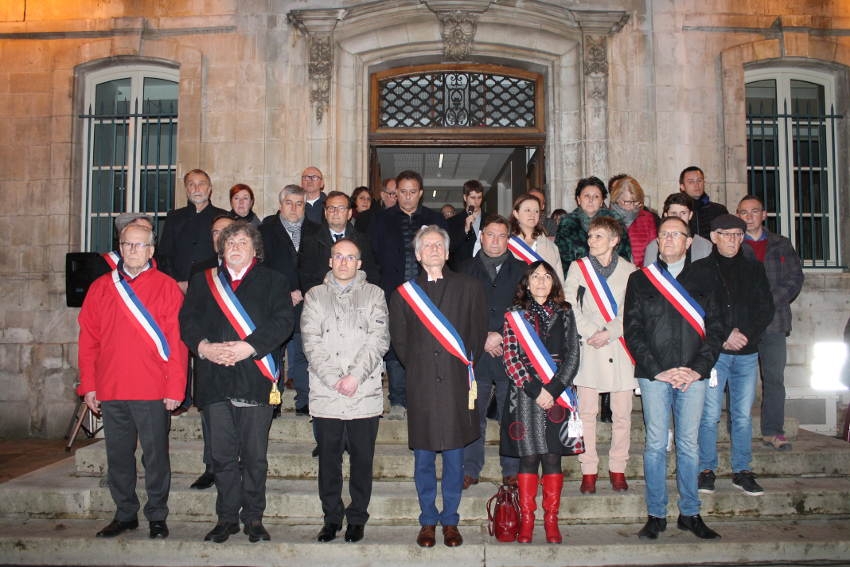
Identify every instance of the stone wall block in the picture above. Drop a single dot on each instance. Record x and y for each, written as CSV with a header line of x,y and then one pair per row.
x,y
25,55
15,422
20,335
36,158
58,326
30,82
249,127
10,358
32,130
32,260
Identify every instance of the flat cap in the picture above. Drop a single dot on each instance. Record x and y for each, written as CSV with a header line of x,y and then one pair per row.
x,y
727,222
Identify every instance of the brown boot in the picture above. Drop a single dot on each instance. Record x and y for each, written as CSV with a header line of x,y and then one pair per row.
x,y
552,485
527,485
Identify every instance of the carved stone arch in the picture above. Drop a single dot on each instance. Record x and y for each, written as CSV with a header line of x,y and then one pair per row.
x,y
534,35
824,54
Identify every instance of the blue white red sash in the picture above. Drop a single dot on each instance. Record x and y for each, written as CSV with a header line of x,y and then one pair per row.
x,y
602,295
540,358
141,315
523,251
238,317
112,258
678,296
437,324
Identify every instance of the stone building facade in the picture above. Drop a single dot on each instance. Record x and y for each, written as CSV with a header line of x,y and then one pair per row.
x,y
266,87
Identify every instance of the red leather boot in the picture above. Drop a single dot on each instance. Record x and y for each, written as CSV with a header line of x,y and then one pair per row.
x,y
552,485
527,485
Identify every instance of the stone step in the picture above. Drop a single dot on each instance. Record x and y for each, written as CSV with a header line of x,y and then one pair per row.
x,y
298,429
72,542
56,492
812,454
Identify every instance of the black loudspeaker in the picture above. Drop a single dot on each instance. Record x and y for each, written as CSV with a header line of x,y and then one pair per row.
x,y
81,269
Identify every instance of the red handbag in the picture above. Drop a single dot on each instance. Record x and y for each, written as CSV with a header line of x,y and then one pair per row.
x,y
503,513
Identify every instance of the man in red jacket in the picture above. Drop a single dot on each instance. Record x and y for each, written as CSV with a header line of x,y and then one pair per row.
x,y
133,371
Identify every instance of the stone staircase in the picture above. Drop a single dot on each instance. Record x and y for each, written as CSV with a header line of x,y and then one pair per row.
x,y
49,517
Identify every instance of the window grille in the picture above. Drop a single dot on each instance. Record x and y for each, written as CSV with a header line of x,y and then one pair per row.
x,y
791,157
453,99
130,152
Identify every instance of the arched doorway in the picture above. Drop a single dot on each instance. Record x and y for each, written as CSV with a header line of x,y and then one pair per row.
x,y
455,122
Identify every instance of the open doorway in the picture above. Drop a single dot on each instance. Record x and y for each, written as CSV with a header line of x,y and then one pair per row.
x,y
504,171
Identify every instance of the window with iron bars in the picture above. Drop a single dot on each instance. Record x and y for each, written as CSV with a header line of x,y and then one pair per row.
x,y
129,148
457,99
791,159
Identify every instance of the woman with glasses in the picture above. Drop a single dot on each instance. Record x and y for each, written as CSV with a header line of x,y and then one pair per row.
x,y
627,200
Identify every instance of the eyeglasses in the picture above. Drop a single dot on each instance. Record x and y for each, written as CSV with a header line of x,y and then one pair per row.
x,y
345,258
392,194
133,246
672,234
311,177
628,203
336,209
725,234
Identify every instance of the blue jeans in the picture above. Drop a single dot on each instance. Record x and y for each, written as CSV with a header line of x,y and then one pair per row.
x,y
425,476
740,372
296,369
773,356
658,399
396,380
473,454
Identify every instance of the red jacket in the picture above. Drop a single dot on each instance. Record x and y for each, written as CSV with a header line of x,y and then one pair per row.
x,y
641,232
116,358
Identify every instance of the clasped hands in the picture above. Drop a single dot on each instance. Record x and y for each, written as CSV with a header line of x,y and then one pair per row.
x,y
599,339
680,378
226,353
346,385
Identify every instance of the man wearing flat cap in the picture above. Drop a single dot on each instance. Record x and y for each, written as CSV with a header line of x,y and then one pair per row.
x,y
747,308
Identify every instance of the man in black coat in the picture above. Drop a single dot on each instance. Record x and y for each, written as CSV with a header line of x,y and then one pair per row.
x,y
499,271
315,251
392,235
675,345
283,234
692,182
186,238
465,226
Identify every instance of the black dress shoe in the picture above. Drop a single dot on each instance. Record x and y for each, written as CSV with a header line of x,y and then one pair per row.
x,y
256,531
117,527
221,532
315,452
303,410
328,532
652,528
204,481
354,532
158,529
695,525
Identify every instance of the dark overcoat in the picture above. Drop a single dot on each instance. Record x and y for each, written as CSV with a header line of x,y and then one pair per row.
x,y
438,415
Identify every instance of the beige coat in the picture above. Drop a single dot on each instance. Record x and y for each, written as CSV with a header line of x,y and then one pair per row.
x,y
607,369
345,331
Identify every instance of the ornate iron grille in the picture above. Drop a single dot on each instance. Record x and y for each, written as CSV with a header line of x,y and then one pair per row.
x,y
451,99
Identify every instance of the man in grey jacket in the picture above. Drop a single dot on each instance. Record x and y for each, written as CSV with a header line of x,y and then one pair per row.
x,y
345,332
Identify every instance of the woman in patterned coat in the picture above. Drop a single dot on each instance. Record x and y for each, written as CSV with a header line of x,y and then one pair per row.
x,y
534,427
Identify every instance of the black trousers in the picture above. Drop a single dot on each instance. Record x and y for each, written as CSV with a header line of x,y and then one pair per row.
x,y
239,441
125,423
332,436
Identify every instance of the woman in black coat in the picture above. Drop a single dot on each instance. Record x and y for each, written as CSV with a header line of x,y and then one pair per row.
x,y
535,427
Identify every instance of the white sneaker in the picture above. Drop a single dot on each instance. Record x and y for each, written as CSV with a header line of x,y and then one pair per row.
x,y
397,412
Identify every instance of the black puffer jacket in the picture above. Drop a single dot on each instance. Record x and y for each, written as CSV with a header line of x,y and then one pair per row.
x,y
658,337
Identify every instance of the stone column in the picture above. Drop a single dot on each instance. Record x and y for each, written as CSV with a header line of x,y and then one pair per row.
x,y
595,29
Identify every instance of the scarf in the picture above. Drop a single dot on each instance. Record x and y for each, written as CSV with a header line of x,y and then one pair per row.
x,y
492,263
604,271
294,230
628,217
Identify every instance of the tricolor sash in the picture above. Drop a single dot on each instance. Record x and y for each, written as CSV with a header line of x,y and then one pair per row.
x,y
678,296
602,295
112,258
140,314
540,358
523,251
441,329
238,317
